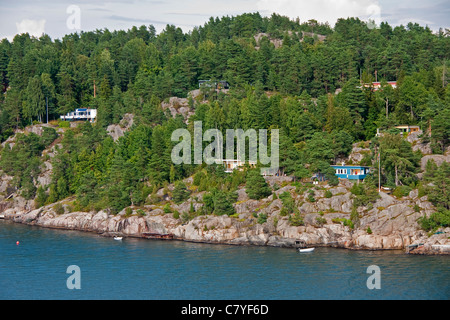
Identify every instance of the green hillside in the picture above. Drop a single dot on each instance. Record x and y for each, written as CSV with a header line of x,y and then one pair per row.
x,y
304,79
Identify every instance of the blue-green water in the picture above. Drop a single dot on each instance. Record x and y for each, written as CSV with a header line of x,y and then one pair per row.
x,y
172,270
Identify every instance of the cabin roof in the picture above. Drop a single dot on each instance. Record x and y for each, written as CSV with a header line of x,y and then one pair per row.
x,y
349,166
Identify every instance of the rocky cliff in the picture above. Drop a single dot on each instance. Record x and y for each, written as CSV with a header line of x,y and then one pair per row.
x,y
385,223
388,223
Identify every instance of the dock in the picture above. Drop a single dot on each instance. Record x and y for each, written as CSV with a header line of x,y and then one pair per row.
x,y
413,247
159,236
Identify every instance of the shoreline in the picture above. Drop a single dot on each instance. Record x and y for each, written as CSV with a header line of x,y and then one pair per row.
x,y
134,227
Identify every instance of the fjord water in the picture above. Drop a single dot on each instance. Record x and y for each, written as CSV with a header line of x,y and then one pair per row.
x,y
172,270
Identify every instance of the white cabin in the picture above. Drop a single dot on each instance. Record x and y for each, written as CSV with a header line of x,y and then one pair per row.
x,y
232,164
81,114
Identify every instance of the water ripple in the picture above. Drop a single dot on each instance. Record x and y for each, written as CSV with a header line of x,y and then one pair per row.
x,y
145,269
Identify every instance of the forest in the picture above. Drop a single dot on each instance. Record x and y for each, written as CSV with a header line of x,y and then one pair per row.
x,y
305,79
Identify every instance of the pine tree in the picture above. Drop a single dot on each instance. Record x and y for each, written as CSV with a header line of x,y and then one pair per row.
x,y
257,187
180,193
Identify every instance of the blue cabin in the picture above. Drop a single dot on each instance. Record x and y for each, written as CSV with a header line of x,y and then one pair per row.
x,y
350,172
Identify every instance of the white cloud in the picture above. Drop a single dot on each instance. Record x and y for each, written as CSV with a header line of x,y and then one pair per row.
x,y
33,27
323,10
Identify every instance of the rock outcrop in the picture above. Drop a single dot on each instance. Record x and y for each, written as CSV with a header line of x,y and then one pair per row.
x,y
118,130
392,222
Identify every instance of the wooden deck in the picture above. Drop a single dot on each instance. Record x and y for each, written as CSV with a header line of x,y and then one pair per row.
x,y
166,236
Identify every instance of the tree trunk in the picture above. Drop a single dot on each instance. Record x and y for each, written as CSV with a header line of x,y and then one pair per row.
x,y
396,175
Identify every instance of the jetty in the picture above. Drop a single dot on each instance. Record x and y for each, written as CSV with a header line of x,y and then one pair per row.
x,y
160,236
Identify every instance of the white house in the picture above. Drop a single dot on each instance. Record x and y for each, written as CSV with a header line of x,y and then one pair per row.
x,y
80,115
232,164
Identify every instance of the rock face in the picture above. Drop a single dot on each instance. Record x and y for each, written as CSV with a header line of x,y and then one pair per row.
x,y
118,130
392,222
438,159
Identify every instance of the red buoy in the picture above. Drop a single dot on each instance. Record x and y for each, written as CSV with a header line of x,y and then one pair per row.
x,y
17,243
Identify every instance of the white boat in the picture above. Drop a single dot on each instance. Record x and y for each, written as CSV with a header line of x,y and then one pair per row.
x,y
118,238
306,250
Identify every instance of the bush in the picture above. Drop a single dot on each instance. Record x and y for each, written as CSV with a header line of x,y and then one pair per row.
x,y
180,193
198,177
296,219
354,217
345,222
311,194
438,219
369,231
357,189
59,209
401,191
257,187
41,197
364,194
48,136
219,202
288,202
167,208
262,218
64,124
321,221
328,194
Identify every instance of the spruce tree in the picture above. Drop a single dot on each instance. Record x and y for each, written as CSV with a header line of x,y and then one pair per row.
x,y
257,187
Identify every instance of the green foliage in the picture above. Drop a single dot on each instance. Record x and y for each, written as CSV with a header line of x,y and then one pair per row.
x,y
41,197
288,203
134,70
438,219
167,208
128,212
364,194
296,219
180,193
438,180
354,217
321,221
401,191
398,162
262,218
219,202
59,209
23,162
346,222
257,187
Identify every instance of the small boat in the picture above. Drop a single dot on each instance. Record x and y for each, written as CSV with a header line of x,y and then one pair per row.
x,y
306,250
118,238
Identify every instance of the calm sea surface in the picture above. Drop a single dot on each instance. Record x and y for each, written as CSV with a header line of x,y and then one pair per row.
x,y
172,270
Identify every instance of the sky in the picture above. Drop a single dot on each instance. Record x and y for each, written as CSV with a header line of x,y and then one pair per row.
x,y
58,18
